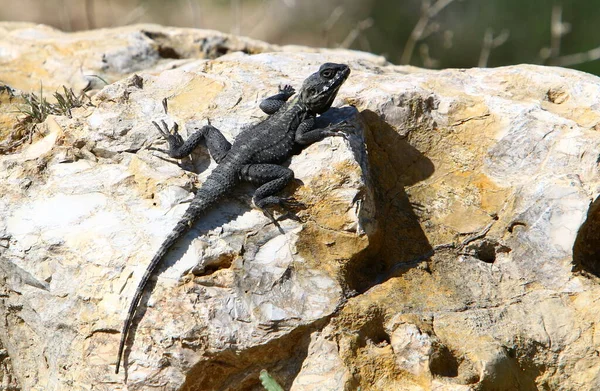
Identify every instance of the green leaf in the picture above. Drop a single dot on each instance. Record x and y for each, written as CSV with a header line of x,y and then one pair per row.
x,y
268,382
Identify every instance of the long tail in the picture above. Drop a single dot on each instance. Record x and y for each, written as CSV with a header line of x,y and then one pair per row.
x,y
204,199
179,230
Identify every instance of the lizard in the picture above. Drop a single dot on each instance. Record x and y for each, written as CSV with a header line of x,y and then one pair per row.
x,y
255,156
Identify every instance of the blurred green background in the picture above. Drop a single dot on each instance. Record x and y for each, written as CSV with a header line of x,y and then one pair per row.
x,y
425,33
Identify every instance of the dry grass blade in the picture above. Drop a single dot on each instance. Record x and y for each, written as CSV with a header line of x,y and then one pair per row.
x,y
36,109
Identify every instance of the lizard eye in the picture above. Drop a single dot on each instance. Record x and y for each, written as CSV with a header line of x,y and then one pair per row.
x,y
327,73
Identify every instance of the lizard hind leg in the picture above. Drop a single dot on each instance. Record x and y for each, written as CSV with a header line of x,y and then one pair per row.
x,y
272,178
217,144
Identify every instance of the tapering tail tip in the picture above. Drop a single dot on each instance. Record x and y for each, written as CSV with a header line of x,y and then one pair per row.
x,y
122,342
119,360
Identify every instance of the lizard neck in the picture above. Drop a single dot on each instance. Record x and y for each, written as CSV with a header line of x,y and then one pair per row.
x,y
294,112
296,106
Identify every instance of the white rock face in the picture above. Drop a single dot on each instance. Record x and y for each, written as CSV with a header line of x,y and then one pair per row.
x,y
451,243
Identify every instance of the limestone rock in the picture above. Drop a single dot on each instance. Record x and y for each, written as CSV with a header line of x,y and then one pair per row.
x,y
451,243
36,56
490,180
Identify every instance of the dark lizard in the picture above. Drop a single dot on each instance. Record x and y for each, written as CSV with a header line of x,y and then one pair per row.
x,y
255,157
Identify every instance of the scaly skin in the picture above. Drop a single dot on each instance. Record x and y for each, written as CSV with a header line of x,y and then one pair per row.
x,y
253,157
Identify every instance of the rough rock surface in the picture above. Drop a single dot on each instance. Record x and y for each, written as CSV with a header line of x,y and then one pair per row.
x,y
450,244
8,382
35,56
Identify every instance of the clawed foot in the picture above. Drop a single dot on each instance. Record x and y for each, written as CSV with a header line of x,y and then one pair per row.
x,y
171,135
291,203
288,204
341,129
287,90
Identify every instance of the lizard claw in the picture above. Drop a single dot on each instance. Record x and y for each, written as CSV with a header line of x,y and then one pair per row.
x,y
287,90
158,150
343,126
342,129
270,216
171,135
160,130
291,202
418,206
285,203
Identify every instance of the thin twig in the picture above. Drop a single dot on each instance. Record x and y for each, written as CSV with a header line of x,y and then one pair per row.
x,y
577,58
352,35
364,43
478,235
131,17
236,16
558,29
490,43
437,7
428,12
65,18
194,11
333,18
428,61
415,36
89,14
330,22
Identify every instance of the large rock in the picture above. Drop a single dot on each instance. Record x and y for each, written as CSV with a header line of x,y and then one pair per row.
x,y
462,216
504,191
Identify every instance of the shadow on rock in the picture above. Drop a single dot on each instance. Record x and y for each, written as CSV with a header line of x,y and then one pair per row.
x,y
394,164
586,251
231,369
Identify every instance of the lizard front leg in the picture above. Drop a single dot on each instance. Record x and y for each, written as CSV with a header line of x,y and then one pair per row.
x,y
273,103
306,133
217,144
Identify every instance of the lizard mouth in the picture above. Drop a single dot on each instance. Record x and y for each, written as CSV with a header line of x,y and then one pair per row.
x,y
337,81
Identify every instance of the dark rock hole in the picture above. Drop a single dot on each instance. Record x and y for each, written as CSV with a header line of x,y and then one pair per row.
x,y
374,332
486,250
443,363
167,52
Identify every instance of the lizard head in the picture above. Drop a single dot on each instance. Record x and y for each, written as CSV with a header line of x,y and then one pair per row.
x,y
320,88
